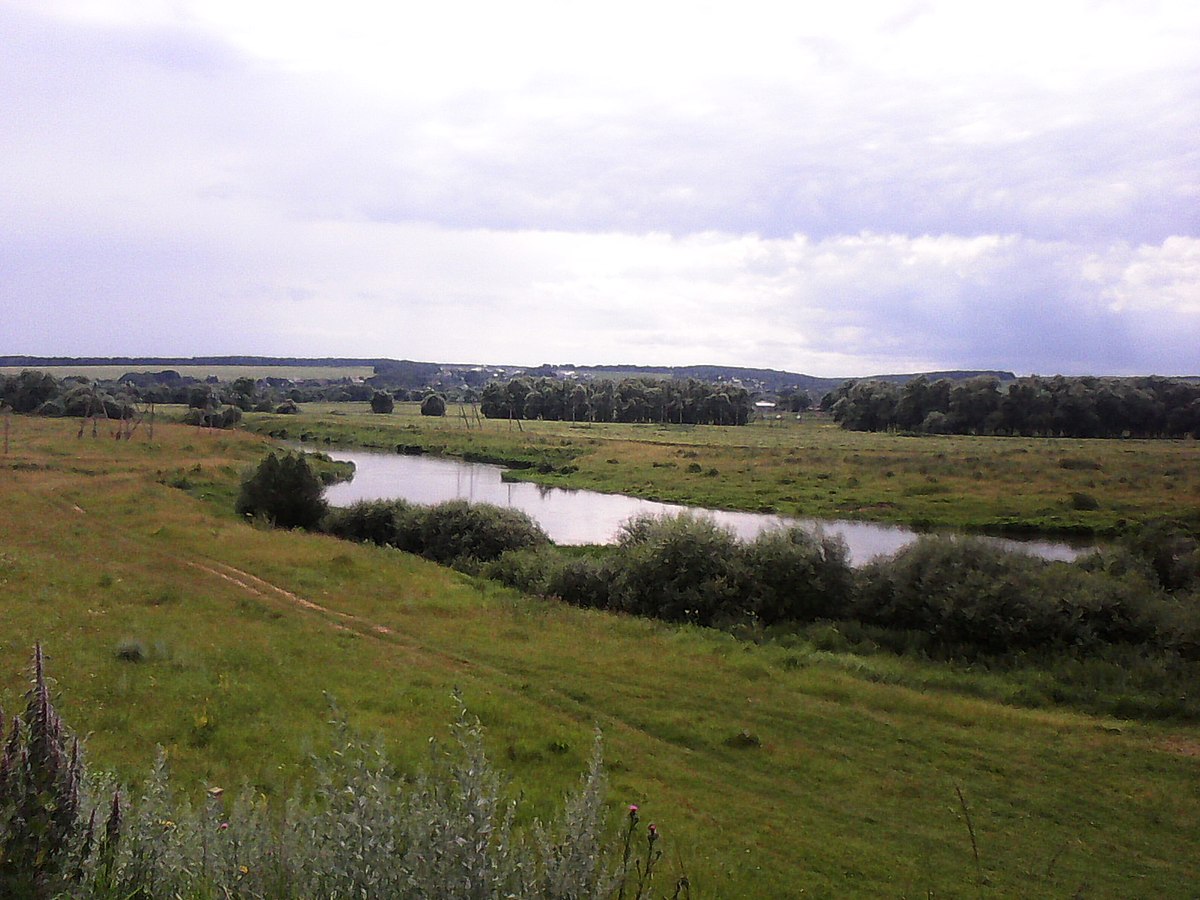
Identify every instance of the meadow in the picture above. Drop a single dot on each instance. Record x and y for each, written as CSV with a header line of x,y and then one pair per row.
x,y
806,468
771,771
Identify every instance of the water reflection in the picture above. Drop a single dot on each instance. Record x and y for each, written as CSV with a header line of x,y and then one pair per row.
x,y
589,517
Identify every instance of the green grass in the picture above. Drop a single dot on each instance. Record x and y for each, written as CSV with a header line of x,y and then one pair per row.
x,y
850,789
811,468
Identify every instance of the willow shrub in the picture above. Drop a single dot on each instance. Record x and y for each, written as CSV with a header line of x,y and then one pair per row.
x,y
799,576
450,532
973,598
681,569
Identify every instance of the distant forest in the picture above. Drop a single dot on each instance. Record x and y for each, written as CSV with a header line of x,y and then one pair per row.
x,y
1084,407
993,403
688,402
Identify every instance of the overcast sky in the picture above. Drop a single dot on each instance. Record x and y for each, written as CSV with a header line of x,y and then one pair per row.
x,y
835,189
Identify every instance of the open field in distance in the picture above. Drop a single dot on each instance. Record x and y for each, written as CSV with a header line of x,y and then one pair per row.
x,y
806,468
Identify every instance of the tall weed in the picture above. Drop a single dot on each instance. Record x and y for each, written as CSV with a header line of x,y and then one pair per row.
x,y
365,830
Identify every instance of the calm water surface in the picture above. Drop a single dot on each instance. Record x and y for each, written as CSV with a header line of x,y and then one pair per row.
x,y
589,517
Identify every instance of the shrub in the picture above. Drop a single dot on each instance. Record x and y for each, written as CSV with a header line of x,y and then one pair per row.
x,y
797,575
683,568
285,491
973,598
1171,552
131,651
581,581
386,522
480,531
524,570
226,417
449,532
963,592
382,402
433,405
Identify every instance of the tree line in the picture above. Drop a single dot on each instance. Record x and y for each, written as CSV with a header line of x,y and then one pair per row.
x,y
1034,406
689,402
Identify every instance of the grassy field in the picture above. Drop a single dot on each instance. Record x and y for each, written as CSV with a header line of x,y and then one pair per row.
x,y
224,373
809,468
771,772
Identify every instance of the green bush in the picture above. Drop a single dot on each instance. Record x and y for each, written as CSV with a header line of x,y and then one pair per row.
x,y
477,531
801,576
382,402
42,827
368,521
1170,550
285,491
682,569
448,532
974,598
965,593
525,570
226,417
433,405
581,581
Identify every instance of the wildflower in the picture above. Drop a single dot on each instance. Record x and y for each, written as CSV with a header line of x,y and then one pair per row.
x,y
245,870
632,810
224,826
652,832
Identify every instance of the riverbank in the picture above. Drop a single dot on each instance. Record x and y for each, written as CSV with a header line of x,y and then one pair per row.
x,y
807,469
579,516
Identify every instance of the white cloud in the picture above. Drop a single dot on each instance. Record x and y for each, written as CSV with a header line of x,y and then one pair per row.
x,y
853,188
1164,278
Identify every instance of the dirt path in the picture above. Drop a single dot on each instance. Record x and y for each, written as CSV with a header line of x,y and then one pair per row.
x,y
263,589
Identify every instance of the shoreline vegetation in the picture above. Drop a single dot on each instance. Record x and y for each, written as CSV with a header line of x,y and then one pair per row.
x,y
177,622
807,469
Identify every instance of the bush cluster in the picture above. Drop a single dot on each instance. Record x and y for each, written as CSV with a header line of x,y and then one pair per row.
x,y
687,569
969,597
223,417
957,596
954,597
452,532
365,830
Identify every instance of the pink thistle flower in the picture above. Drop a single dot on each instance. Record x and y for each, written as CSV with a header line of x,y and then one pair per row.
x,y
223,826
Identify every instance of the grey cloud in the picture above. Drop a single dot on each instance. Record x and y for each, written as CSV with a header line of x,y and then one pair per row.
x,y
844,154
158,179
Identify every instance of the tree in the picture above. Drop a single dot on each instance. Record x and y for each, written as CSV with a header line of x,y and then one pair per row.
x,y
433,405
29,390
285,491
382,402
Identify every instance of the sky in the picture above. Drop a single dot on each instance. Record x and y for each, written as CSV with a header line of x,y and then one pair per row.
x,y
834,189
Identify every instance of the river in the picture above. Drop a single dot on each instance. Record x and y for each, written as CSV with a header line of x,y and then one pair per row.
x,y
572,516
